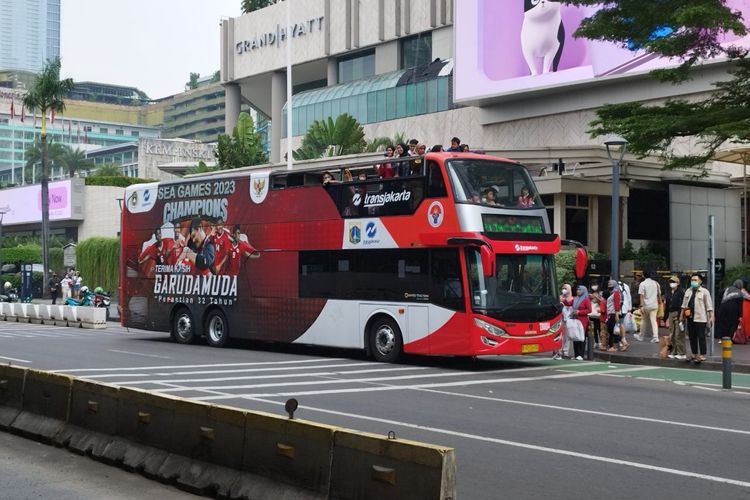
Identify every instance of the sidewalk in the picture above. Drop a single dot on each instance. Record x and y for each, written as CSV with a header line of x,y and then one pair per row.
x,y
647,353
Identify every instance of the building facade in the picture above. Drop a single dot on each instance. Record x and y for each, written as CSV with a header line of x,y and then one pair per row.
x,y
29,33
434,69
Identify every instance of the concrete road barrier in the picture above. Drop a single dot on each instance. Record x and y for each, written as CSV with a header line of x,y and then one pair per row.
x,y
293,451
92,317
11,394
219,450
45,405
369,466
75,316
4,310
71,316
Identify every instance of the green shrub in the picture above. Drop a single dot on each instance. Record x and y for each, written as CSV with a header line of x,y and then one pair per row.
x,y
565,262
115,181
15,282
98,260
29,254
735,273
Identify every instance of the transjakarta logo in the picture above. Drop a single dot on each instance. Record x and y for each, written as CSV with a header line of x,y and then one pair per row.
x,y
146,196
526,248
371,229
380,199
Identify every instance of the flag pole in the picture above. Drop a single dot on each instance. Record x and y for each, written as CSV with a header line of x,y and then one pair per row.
x,y
289,113
12,149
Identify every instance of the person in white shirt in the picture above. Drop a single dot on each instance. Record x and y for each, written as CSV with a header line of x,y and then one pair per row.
x,y
66,284
650,294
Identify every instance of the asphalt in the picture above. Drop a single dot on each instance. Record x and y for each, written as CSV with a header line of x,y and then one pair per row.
x,y
522,427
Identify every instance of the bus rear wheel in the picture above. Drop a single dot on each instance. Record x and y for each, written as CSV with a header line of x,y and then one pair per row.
x,y
385,341
217,329
183,328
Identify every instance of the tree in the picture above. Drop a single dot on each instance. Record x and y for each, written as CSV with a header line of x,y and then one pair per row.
x,y
193,82
201,168
73,160
47,95
689,31
380,143
249,6
243,147
108,170
346,136
33,156
216,77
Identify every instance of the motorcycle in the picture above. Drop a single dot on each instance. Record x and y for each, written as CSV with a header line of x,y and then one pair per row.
x,y
86,298
102,299
9,294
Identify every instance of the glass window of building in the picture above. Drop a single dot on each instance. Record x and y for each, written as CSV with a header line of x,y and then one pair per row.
x,y
357,66
103,130
416,50
119,131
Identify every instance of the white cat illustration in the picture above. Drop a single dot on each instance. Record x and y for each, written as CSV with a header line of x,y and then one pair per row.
x,y
542,34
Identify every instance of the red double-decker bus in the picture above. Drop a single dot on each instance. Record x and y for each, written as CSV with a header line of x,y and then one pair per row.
x,y
453,257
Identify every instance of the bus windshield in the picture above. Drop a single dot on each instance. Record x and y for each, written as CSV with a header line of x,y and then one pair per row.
x,y
522,288
492,183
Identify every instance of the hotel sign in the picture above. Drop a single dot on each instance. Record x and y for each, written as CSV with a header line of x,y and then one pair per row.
x,y
272,38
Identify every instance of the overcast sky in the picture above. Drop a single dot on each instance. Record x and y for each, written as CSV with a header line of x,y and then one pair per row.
x,y
149,44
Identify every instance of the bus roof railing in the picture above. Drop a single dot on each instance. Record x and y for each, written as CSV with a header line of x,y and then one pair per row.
x,y
334,163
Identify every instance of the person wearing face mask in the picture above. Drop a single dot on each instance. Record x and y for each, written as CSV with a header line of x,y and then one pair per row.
x,y
595,316
614,302
566,299
673,300
581,311
697,310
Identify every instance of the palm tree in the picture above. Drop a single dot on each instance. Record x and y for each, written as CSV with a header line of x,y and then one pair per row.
x,y
46,95
73,160
108,170
380,143
345,136
33,156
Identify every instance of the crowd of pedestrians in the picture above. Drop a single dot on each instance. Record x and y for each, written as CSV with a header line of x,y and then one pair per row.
x,y
70,285
687,314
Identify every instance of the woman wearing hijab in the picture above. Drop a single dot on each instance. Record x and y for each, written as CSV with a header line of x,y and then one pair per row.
x,y
566,299
403,169
730,310
581,310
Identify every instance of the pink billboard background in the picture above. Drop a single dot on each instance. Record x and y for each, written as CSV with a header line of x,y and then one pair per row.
x,y
25,203
489,50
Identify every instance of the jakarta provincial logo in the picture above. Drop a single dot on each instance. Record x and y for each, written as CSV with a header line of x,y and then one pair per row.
x,y
355,233
258,187
435,214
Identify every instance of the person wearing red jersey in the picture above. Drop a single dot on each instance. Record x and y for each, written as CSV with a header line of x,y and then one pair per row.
x,y
239,250
179,244
199,253
222,242
158,252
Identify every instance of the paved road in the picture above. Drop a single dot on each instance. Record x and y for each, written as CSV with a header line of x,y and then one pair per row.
x,y
30,470
522,427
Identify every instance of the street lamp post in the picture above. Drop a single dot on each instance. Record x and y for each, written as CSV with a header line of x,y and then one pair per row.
x,y
3,211
616,147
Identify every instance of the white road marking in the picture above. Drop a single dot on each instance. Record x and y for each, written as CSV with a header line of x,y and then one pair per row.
x,y
515,444
16,359
377,388
589,412
167,367
287,375
139,354
253,370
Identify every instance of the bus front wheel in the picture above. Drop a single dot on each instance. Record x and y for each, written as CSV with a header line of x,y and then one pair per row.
x,y
386,343
217,329
183,329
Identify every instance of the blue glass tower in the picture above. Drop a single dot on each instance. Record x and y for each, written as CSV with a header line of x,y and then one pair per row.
x,y
29,33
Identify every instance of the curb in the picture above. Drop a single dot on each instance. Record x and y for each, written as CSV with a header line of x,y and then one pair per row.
x,y
708,365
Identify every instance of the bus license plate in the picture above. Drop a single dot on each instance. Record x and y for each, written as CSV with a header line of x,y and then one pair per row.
x,y
527,348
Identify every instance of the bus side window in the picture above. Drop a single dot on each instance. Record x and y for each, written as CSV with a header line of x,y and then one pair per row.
x,y
447,289
435,182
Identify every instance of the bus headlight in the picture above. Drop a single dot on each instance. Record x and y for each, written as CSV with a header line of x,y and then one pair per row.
x,y
556,326
491,329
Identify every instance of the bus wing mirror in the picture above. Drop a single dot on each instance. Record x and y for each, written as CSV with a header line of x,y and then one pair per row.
x,y
488,260
582,258
582,262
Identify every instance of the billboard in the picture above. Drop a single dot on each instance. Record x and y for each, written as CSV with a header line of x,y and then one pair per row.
x,y
505,47
24,204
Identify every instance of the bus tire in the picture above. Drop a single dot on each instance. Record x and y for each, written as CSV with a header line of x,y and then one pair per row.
x,y
385,341
183,326
216,328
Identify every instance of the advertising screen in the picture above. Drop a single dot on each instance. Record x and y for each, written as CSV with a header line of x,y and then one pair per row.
x,y
24,204
507,47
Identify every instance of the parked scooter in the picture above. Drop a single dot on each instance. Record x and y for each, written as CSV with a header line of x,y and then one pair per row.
x,y
102,299
85,298
9,293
